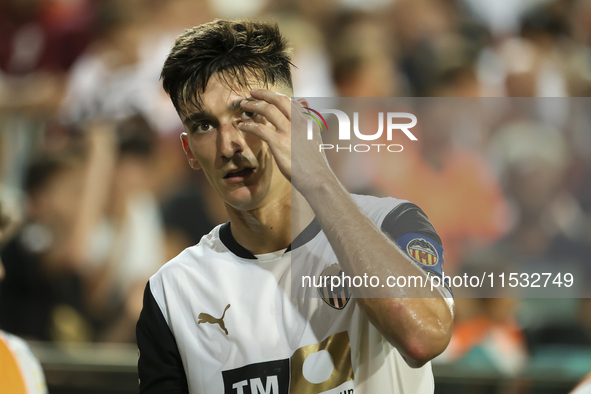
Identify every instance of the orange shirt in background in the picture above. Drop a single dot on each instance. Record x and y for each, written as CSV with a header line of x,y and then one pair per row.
x,y
20,372
463,199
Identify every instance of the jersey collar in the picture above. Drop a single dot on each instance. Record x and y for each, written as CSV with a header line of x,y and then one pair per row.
x,y
230,242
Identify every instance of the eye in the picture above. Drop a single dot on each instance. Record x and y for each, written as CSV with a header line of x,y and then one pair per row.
x,y
246,115
202,127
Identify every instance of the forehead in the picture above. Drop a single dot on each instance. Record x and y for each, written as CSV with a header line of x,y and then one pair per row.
x,y
220,90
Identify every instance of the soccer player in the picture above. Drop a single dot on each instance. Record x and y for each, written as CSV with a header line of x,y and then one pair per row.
x,y
219,317
20,372
584,387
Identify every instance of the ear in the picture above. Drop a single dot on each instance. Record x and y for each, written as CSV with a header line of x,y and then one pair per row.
x,y
190,156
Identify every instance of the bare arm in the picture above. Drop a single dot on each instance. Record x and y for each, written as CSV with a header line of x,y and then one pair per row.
x,y
95,193
417,321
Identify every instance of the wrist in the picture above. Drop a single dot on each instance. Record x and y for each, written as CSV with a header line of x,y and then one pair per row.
x,y
319,191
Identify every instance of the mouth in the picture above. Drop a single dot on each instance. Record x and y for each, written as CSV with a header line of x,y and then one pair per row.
x,y
239,174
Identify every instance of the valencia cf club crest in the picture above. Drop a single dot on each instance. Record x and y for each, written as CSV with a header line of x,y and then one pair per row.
x,y
422,251
336,297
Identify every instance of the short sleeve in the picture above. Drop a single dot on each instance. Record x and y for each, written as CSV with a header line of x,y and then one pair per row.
x,y
160,367
410,228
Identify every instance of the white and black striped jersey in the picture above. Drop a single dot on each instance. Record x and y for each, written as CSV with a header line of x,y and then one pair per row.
x,y
217,319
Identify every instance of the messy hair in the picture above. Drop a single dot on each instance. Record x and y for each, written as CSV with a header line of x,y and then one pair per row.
x,y
239,50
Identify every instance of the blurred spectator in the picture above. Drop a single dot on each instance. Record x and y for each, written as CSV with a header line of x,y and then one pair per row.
x,y
543,60
118,76
312,77
418,26
190,213
92,239
455,186
125,245
491,339
363,57
503,17
39,41
533,158
42,297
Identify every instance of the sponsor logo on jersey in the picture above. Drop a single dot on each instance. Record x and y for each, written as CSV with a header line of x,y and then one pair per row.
x,y
329,371
339,296
207,318
422,251
270,377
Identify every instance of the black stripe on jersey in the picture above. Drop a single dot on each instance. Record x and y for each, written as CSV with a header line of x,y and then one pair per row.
x,y
305,236
233,246
160,366
338,300
230,242
408,218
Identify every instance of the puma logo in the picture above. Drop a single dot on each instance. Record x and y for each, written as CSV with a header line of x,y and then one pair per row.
x,y
207,318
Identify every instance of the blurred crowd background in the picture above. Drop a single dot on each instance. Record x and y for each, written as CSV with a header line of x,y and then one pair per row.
x,y
98,194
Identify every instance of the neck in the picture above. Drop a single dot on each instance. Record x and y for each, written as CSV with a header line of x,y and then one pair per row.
x,y
269,228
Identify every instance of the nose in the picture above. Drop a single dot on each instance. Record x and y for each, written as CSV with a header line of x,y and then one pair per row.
x,y
230,140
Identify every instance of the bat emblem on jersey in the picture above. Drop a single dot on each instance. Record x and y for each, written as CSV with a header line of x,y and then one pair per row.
x,y
207,318
422,251
335,297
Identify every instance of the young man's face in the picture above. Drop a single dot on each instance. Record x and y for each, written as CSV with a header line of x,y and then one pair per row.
x,y
238,165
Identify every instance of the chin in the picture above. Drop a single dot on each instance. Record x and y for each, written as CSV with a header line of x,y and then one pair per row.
x,y
245,198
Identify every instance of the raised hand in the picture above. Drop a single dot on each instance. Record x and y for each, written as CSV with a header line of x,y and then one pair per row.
x,y
280,122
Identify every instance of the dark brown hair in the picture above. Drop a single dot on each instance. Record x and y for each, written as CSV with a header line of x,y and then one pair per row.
x,y
237,49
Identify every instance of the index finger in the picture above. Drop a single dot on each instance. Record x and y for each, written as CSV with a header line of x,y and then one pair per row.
x,y
300,108
281,101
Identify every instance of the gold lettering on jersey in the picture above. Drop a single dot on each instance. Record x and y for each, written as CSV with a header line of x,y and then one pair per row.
x,y
207,318
339,348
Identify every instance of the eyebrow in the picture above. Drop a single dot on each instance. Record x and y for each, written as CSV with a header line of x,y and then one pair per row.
x,y
196,117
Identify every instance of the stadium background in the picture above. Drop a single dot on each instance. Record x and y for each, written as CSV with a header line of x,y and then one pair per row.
x,y
99,194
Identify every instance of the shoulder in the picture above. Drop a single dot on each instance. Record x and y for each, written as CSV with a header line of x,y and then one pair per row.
x,y
411,230
393,212
377,208
191,257
189,271
16,344
30,368
395,216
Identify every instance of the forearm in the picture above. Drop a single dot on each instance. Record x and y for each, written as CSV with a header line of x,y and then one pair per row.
x,y
94,194
416,320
